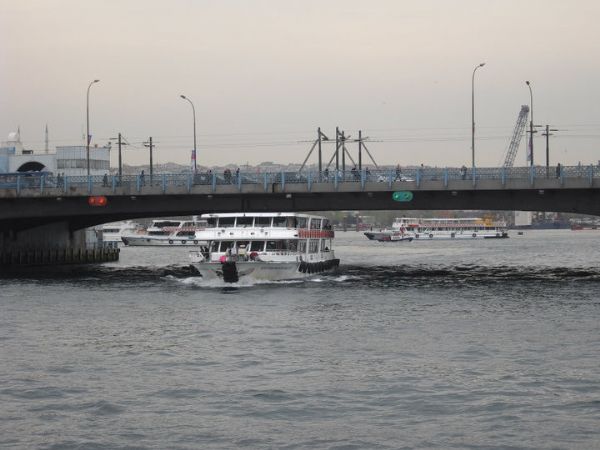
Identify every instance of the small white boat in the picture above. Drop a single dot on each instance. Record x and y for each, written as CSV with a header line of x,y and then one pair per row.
x,y
169,233
113,232
440,228
264,246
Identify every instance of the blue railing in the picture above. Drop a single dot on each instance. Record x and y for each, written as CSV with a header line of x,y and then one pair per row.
x,y
47,182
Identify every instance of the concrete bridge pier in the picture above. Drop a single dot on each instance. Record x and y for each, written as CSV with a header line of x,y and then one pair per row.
x,y
53,244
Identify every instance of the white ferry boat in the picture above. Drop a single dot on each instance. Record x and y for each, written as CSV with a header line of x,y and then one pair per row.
x,y
113,232
166,232
407,228
264,246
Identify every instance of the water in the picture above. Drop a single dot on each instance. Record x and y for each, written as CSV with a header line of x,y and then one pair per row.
x,y
479,344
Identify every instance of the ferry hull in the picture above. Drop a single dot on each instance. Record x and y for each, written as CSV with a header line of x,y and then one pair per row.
x,y
231,272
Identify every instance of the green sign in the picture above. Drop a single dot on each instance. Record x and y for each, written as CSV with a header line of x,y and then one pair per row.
x,y
402,196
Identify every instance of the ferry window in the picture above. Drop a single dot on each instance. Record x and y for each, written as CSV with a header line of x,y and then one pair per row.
x,y
211,222
302,246
263,221
225,245
272,245
292,245
291,222
166,223
301,222
324,245
110,230
326,224
242,244
186,224
214,246
257,246
226,221
313,246
279,222
190,233
315,224
244,221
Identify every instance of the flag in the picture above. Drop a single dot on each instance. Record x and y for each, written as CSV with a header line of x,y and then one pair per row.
x,y
530,148
89,139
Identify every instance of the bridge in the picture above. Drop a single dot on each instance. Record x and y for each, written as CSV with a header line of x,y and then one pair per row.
x,y
28,201
41,216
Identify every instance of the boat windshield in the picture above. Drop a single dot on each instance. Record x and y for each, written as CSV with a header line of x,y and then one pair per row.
x,y
262,221
245,221
315,224
226,222
301,222
280,222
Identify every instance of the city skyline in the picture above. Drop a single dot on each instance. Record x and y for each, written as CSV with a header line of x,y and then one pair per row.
x,y
263,76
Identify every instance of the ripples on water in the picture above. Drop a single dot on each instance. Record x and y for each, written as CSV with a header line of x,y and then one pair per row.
x,y
415,347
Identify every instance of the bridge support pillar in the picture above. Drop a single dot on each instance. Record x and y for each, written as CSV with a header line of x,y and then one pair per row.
x,y
52,245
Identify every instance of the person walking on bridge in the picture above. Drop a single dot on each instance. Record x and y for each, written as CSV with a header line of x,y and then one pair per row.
x,y
398,173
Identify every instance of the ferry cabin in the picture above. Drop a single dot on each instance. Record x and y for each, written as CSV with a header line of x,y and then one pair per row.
x,y
267,236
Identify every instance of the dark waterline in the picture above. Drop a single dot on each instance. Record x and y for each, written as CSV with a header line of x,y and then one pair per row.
x,y
421,345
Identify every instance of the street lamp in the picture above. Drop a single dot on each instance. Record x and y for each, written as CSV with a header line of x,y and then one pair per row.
x,y
473,114
87,136
530,123
194,114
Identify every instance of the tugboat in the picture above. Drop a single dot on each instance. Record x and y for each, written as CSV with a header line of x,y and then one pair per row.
x,y
264,246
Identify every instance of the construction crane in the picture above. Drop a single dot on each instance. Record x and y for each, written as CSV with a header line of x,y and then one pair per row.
x,y
513,147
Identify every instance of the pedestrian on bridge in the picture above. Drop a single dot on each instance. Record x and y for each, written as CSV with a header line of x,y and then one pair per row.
x,y
558,170
398,173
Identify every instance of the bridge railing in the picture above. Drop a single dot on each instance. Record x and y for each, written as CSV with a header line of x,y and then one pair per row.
x,y
42,181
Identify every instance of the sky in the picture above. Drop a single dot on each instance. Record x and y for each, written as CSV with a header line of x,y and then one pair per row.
x,y
264,74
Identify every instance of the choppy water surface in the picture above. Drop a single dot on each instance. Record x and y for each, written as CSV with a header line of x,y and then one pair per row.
x,y
483,344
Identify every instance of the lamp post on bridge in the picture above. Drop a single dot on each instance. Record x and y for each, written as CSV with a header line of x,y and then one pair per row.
x,y
194,115
87,121
473,115
531,130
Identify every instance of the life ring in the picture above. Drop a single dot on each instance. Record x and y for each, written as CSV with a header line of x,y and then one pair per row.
x,y
183,241
195,242
430,235
474,235
170,241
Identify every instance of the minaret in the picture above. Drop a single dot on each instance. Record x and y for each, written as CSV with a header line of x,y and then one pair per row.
x,y
46,139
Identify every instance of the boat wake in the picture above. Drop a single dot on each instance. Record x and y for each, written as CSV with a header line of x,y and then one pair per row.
x,y
376,276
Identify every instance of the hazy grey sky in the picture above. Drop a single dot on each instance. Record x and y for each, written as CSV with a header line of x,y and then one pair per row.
x,y
264,75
